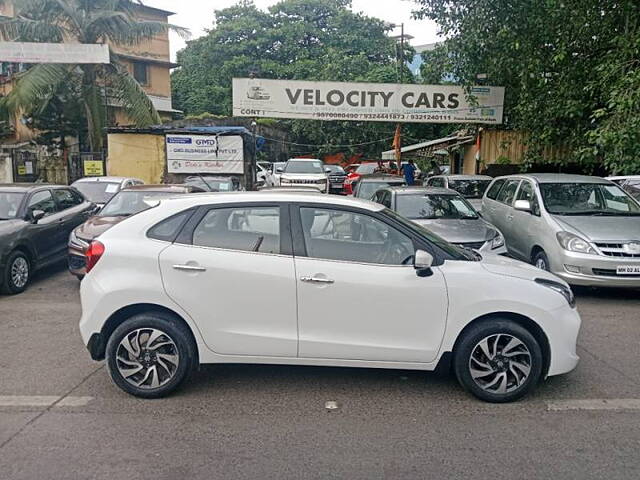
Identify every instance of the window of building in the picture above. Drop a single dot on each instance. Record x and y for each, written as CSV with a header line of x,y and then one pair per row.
x,y
141,73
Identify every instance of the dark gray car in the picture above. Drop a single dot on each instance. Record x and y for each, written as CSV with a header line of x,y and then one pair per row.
x,y
445,213
35,223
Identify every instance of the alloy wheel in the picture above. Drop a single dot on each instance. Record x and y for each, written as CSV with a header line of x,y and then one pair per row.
x,y
147,358
20,272
541,264
500,363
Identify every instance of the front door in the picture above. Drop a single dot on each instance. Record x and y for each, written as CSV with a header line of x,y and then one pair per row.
x,y
233,280
359,297
46,234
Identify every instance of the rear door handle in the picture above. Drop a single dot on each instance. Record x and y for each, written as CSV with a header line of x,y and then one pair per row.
x,y
317,280
189,268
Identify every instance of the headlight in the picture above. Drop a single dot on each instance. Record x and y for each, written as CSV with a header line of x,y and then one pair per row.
x,y
498,241
284,180
563,290
574,243
77,242
322,182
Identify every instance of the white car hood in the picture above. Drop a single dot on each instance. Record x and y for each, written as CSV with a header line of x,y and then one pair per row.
x,y
509,267
303,176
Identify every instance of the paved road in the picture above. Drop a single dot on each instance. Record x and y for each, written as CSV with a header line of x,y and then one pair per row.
x,y
270,422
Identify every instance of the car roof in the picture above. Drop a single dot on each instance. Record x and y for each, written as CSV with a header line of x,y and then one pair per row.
x,y
104,179
466,177
413,190
624,177
305,160
273,196
381,177
558,178
27,187
161,188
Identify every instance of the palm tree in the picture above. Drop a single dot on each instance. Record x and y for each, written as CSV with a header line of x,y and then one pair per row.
x,y
82,21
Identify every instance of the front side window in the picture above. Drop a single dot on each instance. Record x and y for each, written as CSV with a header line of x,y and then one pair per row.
x,y
432,207
353,237
248,229
587,199
508,192
42,201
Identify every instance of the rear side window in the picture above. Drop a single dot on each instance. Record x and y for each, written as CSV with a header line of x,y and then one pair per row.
x,y
248,229
67,198
167,230
508,192
493,191
437,182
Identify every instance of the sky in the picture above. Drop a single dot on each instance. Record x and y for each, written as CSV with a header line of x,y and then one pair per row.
x,y
197,16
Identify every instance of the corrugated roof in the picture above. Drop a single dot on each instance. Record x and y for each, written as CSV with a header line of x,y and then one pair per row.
x,y
391,154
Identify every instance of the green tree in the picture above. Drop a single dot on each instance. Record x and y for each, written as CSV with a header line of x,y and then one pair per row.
x,y
571,69
83,21
298,40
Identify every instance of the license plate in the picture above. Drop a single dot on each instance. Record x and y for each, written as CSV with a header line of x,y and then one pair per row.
x,y
336,185
628,270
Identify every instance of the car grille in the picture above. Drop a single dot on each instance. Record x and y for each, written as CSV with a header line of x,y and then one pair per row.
x,y
337,178
615,250
472,245
76,262
603,272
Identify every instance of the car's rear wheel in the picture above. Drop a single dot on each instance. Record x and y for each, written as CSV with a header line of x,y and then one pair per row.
x,y
17,273
150,355
541,261
498,361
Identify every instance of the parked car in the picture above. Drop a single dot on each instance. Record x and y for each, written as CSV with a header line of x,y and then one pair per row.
x,y
370,184
100,190
471,187
163,291
126,203
305,171
445,213
272,178
585,230
337,177
210,183
262,170
354,174
632,187
35,222
622,179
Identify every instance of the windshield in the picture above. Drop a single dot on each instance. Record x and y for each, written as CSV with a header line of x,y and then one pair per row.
x,y
336,169
587,199
366,190
432,207
469,188
10,204
97,192
366,168
458,253
294,166
130,202
211,184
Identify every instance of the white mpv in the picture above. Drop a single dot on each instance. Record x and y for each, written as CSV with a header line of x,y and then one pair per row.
x,y
308,279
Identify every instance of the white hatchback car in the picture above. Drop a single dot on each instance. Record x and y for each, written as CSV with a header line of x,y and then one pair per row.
x,y
250,277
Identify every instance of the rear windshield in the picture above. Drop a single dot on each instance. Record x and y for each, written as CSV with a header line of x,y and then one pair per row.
x,y
434,206
129,202
366,190
469,188
97,192
366,168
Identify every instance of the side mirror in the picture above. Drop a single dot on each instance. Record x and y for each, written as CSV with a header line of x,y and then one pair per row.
x,y
37,215
522,205
279,170
327,170
423,262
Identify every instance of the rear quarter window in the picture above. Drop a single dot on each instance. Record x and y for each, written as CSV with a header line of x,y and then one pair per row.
x,y
494,189
167,230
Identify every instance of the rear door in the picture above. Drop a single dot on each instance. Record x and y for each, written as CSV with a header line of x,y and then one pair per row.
x,y
359,297
489,201
502,210
526,226
74,210
232,271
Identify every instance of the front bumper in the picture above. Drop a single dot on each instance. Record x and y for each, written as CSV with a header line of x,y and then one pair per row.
x,y
594,270
562,333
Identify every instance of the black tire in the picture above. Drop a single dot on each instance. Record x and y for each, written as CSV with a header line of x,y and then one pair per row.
x,y
9,284
183,346
541,261
490,329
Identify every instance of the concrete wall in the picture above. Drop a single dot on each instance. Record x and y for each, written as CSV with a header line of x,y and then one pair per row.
x,y
137,155
6,169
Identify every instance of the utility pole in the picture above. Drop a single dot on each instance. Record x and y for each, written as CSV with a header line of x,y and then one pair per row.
x,y
398,136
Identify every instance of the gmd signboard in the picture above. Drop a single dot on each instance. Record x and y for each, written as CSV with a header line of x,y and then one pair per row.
x,y
375,102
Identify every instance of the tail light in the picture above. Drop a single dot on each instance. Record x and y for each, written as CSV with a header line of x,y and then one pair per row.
x,y
93,254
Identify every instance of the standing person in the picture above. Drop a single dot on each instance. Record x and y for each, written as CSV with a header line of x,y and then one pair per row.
x,y
410,173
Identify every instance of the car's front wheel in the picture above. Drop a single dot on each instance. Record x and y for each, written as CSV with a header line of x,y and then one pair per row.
x,y
150,355
17,273
498,361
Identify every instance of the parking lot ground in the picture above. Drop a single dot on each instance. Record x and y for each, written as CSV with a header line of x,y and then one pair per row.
x,y
62,418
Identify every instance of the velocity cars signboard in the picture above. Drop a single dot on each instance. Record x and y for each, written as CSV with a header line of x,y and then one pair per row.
x,y
375,102
205,154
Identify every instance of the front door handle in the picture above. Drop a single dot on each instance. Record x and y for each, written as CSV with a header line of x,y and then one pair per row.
x,y
317,280
189,268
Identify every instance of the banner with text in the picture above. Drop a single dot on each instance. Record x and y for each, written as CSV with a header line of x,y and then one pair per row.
x,y
374,102
205,154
